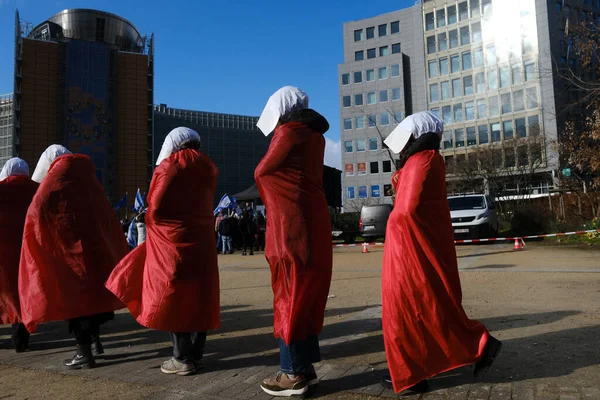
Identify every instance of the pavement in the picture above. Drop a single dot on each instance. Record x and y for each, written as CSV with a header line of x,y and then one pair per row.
x,y
543,303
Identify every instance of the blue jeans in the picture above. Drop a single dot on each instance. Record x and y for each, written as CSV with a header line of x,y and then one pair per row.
x,y
299,356
219,242
226,244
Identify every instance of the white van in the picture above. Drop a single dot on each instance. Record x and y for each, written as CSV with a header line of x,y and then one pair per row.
x,y
473,216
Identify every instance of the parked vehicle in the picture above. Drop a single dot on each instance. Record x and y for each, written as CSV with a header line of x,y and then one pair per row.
x,y
473,216
373,220
345,227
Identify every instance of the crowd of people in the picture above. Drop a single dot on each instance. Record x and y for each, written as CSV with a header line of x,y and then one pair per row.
x,y
65,257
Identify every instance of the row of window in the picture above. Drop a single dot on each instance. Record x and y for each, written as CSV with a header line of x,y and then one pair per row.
x,y
371,121
361,168
450,40
467,60
488,108
384,51
371,97
369,74
363,192
451,14
577,15
491,133
382,30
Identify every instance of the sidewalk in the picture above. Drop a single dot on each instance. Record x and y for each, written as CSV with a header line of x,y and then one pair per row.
x,y
549,323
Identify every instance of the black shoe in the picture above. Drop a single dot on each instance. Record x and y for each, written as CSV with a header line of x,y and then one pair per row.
x,y
21,348
83,359
490,352
251,253
421,387
97,348
244,253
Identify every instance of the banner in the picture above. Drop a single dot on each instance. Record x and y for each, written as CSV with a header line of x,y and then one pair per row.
x,y
375,191
388,191
362,192
349,169
351,193
362,168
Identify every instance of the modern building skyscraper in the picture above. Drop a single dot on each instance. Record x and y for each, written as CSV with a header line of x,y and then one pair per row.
x,y
6,128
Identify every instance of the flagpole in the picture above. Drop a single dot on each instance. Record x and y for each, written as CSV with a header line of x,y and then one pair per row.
x,y
126,205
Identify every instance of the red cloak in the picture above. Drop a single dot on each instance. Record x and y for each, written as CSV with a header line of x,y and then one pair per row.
x,y
171,281
71,243
425,328
298,237
16,193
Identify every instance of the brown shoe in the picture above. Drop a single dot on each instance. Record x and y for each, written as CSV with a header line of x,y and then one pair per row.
x,y
284,386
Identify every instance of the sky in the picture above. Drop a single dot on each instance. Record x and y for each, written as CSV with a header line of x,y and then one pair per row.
x,y
227,56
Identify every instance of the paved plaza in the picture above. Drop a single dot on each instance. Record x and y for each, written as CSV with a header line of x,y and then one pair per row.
x,y
543,303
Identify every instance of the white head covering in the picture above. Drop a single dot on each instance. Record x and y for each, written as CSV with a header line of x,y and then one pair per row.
x,y
14,167
282,102
415,125
174,140
47,158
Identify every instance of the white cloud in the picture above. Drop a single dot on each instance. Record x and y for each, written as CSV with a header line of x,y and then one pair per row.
x,y
333,153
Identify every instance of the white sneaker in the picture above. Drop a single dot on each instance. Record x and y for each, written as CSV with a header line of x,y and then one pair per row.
x,y
172,366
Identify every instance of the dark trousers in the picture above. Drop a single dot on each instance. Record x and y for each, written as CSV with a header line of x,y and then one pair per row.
x,y
248,241
299,356
260,241
85,329
188,347
20,336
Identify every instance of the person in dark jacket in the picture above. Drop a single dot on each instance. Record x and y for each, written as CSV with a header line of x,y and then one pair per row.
x,y
226,230
248,230
261,228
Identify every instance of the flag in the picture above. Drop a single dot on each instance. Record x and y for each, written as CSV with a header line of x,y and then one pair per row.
x,y
226,202
122,203
138,205
131,236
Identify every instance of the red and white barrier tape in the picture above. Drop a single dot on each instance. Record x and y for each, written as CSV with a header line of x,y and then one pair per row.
x,y
357,245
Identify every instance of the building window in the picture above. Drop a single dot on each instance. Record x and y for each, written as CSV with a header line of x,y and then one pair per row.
x,y
470,110
441,17
508,129
478,58
360,122
517,74
455,63
349,148
456,88
496,134
465,35
351,193
383,96
383,30
445,90
345,79
509,155
396,49
459,136
433,68
451,15
359,55
530,72
370,32
383,73
360,145
476,31
362,191
504,77
471,136
442,41
436,111
398,117
492,78
458,112
358,99
385,119
431,45
506,104
371,53
396,94
358,35
466,61
372,120
370,75
347,124
443,66
447,115
519,101
521,128
373,144
468,85
483,134
434,92
453,34
358,77
347,101
371,99
532,99
429,21
463,11
395,70
448,138
387,166
481,108
374,167
395,27
490,55
384,51
494,106
480,82
534,125
475,7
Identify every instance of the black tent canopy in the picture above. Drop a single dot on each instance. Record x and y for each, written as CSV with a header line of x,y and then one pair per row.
x,y
249,194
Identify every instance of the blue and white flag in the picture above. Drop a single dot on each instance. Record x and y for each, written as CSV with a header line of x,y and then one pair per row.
x,y
139,202
227,202
131,235
122,203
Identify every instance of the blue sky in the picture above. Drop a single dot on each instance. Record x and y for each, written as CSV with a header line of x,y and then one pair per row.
x,y
227,56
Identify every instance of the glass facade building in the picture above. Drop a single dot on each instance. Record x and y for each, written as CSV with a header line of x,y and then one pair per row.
x,y
6,128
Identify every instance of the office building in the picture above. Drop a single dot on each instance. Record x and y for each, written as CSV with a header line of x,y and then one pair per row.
x,y
233,142
6,128
84,79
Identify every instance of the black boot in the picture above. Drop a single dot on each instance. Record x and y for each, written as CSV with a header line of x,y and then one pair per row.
x,y
97,348
490,352
83,359
421,387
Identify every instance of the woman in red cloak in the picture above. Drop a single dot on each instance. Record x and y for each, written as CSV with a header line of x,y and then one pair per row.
x,y
71,242
425,328
16,193
290,181
171,281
